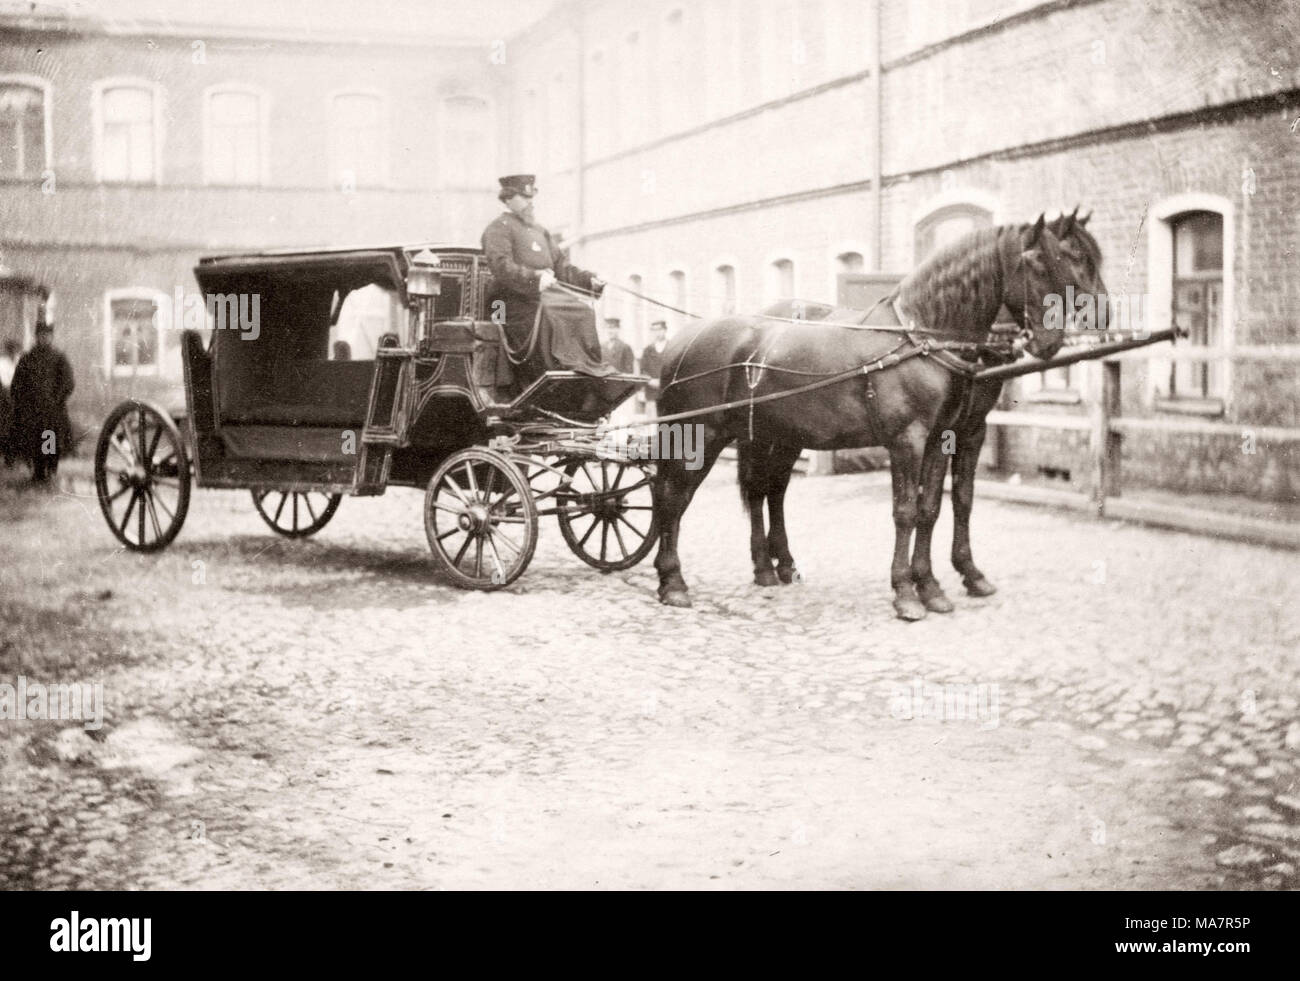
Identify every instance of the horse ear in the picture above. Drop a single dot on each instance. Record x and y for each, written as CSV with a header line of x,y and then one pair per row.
x,y
1067,226
1083,222
1035,233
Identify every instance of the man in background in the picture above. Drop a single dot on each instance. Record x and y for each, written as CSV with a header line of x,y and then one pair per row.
x,y
652,362
42,384
616,351
8,362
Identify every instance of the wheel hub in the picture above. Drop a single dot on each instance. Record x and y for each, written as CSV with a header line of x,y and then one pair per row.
x,y
474,519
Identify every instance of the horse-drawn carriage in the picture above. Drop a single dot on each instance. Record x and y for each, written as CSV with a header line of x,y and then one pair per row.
x,y
434,407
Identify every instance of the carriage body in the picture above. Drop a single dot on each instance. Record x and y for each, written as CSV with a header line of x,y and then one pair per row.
x,y
268,410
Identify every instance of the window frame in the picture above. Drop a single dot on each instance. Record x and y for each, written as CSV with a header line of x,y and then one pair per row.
x,y
162,317
384,180
1164,214
833,255
47,110
263,134
157,95
717,303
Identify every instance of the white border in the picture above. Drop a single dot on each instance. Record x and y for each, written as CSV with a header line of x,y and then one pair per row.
x,y
47,96
263,134
97,90
162,319
385,136
1160,287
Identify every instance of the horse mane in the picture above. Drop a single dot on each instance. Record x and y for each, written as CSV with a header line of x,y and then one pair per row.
x,y
960,286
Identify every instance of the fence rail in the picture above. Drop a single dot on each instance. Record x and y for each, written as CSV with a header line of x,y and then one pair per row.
x,y
1106,429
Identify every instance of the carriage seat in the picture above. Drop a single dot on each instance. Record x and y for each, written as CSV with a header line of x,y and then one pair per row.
x,y
482,340
300,393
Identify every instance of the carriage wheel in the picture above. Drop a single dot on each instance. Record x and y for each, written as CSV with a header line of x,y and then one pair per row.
x,y
296,514
142,476
480,518
609,520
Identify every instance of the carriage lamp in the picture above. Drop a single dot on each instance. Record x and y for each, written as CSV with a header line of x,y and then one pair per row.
x,y
424,278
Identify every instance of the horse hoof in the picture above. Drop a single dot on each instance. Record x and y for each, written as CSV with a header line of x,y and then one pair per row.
x,y
980,587
939,603
909,608
790,575
676,598
766,577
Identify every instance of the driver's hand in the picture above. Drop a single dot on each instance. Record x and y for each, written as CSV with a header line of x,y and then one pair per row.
x,y
597,285
545,280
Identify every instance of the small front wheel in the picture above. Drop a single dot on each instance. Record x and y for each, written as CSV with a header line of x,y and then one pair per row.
x,y
607,514
142,476
480,519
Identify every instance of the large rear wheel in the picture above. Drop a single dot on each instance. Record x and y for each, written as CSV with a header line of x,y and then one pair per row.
x,y
296,514
142,476
480,519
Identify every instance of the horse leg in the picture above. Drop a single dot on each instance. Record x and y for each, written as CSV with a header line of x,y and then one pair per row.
x,y
752,472
780,469
963,497
934,465
675,485
905,454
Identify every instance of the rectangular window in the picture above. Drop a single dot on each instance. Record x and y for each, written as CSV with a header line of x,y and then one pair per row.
x,y
133,332
359,140
128,136
1198,301
22,130
235,151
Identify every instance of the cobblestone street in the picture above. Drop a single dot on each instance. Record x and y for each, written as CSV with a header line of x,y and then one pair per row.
x,y
330,713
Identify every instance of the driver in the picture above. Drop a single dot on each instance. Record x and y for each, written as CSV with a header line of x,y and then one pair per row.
x,y
547,328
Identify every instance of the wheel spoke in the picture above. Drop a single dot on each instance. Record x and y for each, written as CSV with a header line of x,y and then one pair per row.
x,y
469,539
639,532
619,536
496,559
130,506
153,447
153,516
478,557
604,538
473,482
447,507
171,515
595,522
295,510
306,499
278,511
122,490
450,481
508,540
449,532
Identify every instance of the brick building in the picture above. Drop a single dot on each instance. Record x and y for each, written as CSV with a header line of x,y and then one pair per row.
x,y
130,147
715,153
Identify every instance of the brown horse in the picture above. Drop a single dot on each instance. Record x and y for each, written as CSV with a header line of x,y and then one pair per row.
x,y
950,301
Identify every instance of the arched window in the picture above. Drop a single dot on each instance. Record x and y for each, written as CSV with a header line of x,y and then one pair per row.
x,y
1197,299
359,139
676,297
634,314
779,283
24,126
468,145
723,291
1190,242
235,135
128,131
134,319
947,224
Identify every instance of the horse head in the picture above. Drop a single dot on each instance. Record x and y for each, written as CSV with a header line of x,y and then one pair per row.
x,y
1058,261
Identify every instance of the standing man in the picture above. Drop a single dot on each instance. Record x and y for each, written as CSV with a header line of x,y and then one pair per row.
x,y
545,328
42,383
652,362
616,352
